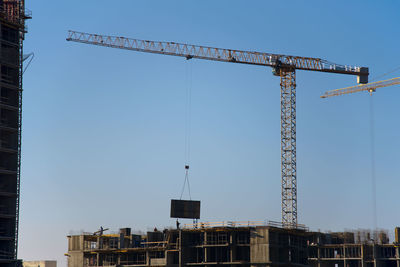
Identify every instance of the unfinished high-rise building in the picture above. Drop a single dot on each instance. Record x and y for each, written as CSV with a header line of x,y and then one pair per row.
x,y
12,31
240,244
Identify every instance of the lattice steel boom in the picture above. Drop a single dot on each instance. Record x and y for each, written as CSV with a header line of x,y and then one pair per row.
x,y
370,87
283,66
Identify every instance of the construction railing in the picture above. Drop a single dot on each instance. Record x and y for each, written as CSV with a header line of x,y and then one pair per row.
x,y
280,225
156,244
200,225
224,224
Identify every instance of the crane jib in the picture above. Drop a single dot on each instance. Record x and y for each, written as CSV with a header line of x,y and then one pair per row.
x,y
219,54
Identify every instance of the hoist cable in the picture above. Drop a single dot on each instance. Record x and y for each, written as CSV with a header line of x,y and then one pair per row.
x,y
189,111
188,104
187,178
184,183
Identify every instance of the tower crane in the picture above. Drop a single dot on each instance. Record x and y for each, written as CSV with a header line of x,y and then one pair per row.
x,y
370,87
284,66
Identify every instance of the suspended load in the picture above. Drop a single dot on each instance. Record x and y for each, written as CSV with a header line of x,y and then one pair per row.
x,y
185,209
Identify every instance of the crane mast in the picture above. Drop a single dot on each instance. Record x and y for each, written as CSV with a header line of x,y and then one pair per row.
x,y
284,66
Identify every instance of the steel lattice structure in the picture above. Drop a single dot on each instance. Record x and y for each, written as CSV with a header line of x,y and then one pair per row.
x,y
283,66
370,87
288,148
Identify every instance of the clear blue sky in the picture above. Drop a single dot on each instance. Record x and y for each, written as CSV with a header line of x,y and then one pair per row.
x,y
103,129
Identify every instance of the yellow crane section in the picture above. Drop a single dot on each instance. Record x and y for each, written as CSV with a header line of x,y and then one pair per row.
x,y
370,87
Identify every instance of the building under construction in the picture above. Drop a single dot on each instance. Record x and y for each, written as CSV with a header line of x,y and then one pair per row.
x,y
12,31
234,244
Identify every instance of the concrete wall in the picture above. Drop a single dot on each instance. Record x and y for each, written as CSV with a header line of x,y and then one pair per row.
x,y
259,247
158,262
75,243
75,259
40,263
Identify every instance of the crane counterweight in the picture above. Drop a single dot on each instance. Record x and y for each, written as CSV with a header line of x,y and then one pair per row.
x,y
363,77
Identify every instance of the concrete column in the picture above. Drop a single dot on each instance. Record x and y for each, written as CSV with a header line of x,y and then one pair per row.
x,y
319,256
231,246
344,255
82,242
362,256
205,248
180,248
